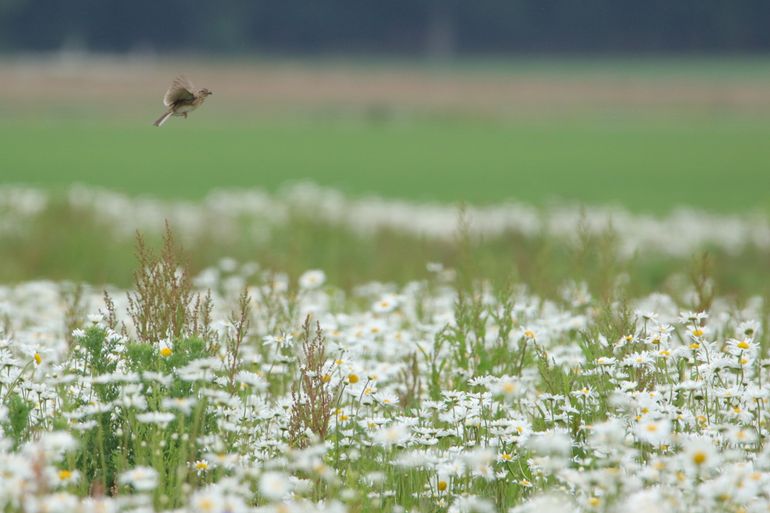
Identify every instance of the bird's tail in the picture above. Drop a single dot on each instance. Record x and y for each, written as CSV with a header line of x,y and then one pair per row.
x,y
163,118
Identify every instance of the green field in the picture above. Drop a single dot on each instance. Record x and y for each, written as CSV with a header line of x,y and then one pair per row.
x,y
650,136
646,164
305,353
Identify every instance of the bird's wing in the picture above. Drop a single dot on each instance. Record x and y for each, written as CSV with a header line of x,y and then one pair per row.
x,y
181,89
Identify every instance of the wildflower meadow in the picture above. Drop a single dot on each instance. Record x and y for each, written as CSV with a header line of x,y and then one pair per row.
x,y
241,387
425,256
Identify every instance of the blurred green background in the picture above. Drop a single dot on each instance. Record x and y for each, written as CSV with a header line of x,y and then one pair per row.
x,y
649,107
648,134
645,165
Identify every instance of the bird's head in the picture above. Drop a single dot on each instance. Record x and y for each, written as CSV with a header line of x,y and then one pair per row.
x,y
205,92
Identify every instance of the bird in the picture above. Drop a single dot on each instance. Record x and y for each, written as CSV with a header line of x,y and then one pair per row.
x,y
181,98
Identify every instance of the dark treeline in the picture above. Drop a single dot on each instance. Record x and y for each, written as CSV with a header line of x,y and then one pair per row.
x,y
386,26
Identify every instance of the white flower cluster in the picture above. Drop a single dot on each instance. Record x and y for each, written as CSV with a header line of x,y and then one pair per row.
x,y
226,212
435,401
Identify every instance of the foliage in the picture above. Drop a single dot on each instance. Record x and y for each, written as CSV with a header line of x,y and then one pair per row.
x,y
163,304
418,26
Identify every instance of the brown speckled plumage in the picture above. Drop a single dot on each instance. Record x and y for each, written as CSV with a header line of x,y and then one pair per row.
x,y
182,97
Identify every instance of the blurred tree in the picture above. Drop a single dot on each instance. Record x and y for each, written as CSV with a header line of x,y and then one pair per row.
x,y
437,28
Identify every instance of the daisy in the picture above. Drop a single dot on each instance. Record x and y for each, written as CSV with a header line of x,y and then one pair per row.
x,y
181,404
507,387
395,434
312,279
699,454
653,432
142,479
162,419
165,348
200,466
274,486
385,304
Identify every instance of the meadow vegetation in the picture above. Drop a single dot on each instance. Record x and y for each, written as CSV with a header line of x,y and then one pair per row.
x,y
242,389
374,239
263,348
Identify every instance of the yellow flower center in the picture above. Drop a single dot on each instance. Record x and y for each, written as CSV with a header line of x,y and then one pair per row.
x,y
201,465
353,379
699,458
697,332
529,334
65,474
743,344
594,501
165,352
38,358
442,485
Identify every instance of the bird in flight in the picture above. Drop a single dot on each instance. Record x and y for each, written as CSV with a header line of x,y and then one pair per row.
x,y
182,97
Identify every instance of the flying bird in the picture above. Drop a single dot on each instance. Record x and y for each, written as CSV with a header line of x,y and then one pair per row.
x,y
182,97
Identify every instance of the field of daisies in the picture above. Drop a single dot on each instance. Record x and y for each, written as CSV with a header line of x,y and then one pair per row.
x,y
241,387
